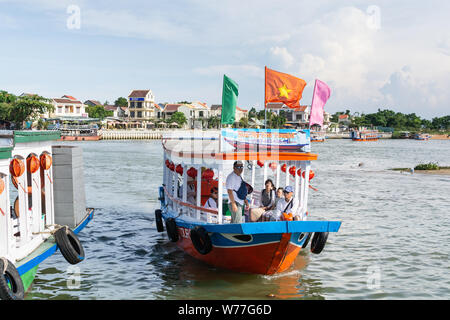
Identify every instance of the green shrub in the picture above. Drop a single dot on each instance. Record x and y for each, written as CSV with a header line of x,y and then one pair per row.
x,y
427,166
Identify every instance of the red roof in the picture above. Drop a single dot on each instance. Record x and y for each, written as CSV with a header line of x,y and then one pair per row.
x,y
343,116
67,101
110,107
171,107
138,93
69,97
274,105
242,110
301,108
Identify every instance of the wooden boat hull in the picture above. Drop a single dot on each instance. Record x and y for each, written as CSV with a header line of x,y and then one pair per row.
x,y
80,138
270,254
364,139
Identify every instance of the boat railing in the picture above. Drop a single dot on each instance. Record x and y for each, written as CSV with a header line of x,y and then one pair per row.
x,y
26,221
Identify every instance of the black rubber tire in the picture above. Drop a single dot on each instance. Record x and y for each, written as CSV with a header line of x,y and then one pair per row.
x,y
158,220
318,242
201,240
17,291
308,237
171,228
69,245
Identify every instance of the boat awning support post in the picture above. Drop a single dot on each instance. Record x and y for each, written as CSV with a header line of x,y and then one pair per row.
x,y
220,193
199,190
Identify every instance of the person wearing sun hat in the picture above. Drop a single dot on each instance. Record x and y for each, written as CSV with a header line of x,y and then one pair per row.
x,y
288,207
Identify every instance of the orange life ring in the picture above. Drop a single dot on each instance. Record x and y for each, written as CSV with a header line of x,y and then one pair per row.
x,y
16,167
2,186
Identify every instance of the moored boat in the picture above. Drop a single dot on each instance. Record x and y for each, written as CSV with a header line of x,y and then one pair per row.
x,y
40,221
208,234
420,136
371,135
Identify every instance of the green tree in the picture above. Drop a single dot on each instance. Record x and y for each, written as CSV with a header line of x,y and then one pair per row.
x,y
121,102
98,112
179,118
243,122
20,109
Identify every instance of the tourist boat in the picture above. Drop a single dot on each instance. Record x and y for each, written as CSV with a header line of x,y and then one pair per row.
x,y
85,132
247,140
207,234
364,135
37,222
317,136
421,136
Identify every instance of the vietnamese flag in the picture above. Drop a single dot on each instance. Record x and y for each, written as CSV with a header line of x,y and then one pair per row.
x,y
282,87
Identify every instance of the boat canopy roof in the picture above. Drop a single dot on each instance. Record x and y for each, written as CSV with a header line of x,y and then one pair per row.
x,y
239,144
9,138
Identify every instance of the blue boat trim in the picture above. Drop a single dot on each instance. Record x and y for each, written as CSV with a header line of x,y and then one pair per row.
x,y
265,227
47,253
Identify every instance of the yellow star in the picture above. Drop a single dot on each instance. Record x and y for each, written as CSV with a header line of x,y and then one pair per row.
x,y
284,91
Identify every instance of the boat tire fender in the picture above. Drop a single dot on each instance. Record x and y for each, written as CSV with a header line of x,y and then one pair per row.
x,y
171,228
308,237
158,220
11,285
69,245
318,242
201,240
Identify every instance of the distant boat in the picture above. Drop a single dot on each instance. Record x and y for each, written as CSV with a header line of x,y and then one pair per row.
x,y
365,135
421,136
77,132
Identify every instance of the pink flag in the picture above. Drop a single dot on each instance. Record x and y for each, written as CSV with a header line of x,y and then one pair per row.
x,y
320,96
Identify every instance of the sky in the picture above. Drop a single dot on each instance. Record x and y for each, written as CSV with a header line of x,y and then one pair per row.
x,y
373,54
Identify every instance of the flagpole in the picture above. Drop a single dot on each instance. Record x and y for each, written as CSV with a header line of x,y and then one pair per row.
x,y
265,111
312,102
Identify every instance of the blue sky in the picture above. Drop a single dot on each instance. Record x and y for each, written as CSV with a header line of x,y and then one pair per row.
x,y
373,54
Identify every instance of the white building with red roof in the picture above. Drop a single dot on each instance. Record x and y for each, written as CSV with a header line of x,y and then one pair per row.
x,y
67,107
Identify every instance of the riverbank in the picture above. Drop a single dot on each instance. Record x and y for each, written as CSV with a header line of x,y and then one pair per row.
x,y
441,171
440,137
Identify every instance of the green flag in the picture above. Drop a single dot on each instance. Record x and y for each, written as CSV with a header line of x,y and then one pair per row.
x,y
229,100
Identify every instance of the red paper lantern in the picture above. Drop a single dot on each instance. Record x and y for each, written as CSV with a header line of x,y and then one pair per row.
x,y
260,163
311,174
179,169
292,171
192,172
167,163
208,174
2,185
273,166
299,172
172,166
283,168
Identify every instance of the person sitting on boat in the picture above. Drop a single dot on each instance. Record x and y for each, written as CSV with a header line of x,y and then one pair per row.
x,y
267,202
273,215
237,192
212,200
191,193
287,207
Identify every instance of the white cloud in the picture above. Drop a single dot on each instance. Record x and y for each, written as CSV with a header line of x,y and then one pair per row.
x,y
283,54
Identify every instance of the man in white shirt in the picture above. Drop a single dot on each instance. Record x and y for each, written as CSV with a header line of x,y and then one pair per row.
x,y
287,208
234,185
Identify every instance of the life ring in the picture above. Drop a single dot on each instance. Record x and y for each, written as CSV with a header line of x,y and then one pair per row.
x,y
11,285
201,240
171,228
69,245
318,242
16,207
308,237
158,220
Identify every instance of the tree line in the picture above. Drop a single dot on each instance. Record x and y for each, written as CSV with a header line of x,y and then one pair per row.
x,y
396,120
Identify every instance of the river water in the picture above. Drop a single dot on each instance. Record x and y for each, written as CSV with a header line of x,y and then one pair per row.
x,y
393,242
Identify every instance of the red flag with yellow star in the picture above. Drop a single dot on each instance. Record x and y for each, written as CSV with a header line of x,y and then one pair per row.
x,y
282,87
